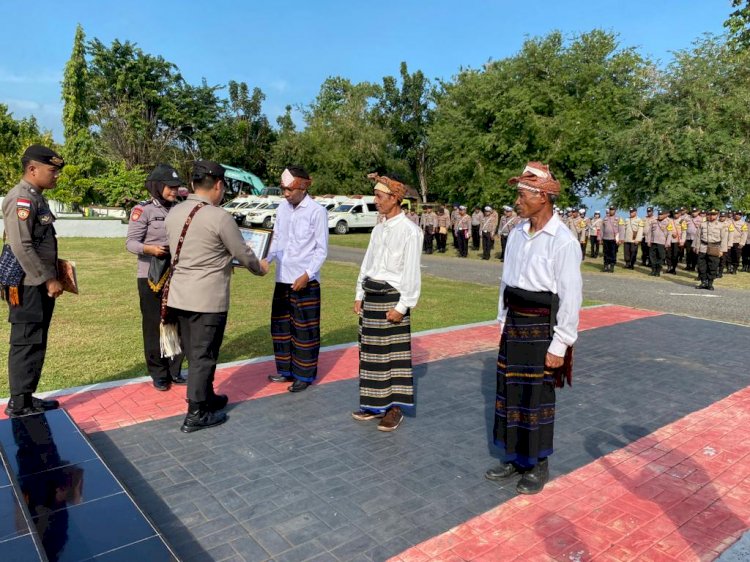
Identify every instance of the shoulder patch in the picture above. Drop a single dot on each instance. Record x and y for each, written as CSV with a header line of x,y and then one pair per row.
x,y
20,202
23,213
744,228
621,222
136,213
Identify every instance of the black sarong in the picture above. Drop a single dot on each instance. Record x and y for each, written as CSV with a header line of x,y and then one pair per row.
x,y
525,401
385,375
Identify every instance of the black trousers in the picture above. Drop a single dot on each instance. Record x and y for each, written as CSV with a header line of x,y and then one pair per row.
x,y
708,267
158,367
487,244
428,236
201,334
734,255
463,243
455,237
645,258
503,243
658,253
441,240
475,236
630,252
673,255
595,244
691,257
29,328
610,252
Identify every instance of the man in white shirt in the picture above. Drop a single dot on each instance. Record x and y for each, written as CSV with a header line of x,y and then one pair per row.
x,y
299,246
540,296
388,287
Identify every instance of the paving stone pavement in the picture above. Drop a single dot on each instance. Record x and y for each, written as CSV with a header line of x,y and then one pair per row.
x,y
293,477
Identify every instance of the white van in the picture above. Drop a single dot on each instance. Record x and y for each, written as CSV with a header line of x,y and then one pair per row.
x,y
357,212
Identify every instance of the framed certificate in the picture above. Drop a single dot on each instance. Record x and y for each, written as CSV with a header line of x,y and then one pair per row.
x,y
258,240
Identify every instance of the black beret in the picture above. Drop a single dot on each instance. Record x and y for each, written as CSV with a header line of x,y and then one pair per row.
x,y
165,174
207,168
44,155
633,210
650,209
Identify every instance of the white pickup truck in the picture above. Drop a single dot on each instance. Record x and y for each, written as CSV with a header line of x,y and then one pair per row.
x,y
358,212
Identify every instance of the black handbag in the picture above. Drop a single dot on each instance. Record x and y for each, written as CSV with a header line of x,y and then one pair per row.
x,y
11,275
158,272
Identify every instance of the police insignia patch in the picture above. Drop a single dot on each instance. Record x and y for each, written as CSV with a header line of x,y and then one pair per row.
x,y
136,214
23,213
45,219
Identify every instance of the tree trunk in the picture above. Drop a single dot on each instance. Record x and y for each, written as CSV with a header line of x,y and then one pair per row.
x,y
422,173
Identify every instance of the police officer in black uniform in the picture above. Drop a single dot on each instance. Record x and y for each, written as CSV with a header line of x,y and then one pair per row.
x,y
147,238
31,234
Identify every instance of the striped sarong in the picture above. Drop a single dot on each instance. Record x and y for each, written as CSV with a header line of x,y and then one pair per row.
x,y
385,375
525,400
295,330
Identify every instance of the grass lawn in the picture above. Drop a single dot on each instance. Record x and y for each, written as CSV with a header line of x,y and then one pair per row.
x,y
96,336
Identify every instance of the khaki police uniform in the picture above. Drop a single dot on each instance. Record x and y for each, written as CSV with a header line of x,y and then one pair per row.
x,y
610,236
199,289
737,238
659,238
691,240
443,226
712,242
631,235
429,223
488,226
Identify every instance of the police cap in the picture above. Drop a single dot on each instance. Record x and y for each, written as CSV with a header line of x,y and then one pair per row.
x,y
713,211
633,210
43,155
165,174
203,168
650,209
723,214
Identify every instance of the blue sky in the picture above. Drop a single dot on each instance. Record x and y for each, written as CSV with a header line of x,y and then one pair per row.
x,y
287,48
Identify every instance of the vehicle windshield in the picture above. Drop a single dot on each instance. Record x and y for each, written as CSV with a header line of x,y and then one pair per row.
x,y
272,206
343,208
232,204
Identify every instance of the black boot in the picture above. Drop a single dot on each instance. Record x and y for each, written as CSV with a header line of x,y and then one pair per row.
x,y
217,402
505,470
200,417
703,284
710,285
533,481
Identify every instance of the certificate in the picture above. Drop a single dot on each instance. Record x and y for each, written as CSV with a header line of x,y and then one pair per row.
x,y
258,240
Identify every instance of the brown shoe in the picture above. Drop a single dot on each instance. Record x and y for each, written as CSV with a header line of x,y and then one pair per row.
x,y
364,415
391,420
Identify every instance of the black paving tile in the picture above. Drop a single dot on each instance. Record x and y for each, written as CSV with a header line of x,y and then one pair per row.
x,y
317,485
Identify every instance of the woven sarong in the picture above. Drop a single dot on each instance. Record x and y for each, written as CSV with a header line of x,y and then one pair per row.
x,y
385,376
525,401
295,330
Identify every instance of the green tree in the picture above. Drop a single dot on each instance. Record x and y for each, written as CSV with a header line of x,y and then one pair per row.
x,y
15,137
689,144
78,145
343,140
286,150
555,101
738,23
244,137
406,113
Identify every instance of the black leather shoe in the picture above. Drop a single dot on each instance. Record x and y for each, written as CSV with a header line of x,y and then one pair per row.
x,y
298,386
45,405
217,402
533,481
179,378
19,406
280,378
162,384
199,417
505,470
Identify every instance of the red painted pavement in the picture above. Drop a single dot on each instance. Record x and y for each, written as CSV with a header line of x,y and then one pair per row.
x,y
103,409
677,495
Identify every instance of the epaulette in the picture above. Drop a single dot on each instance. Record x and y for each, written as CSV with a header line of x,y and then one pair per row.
x,y
144,203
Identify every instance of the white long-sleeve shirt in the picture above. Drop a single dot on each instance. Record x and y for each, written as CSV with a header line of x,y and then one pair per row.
x,y
548,260
300,240
393,255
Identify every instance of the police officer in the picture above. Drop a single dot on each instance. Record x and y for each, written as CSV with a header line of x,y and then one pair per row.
x,y
658,240
488,227
631,234
31,234
428,222
443,226
147,238
198,292
710,246
463,231
507,222
476,222
693,223
595,234
610,237
650,218
737,239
